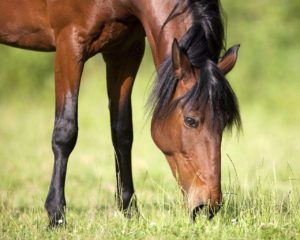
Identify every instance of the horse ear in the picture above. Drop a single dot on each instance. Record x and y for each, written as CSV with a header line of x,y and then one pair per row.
x,y
229,59
181,63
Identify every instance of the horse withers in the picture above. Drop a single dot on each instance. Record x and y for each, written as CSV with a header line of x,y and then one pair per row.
x,y
192,101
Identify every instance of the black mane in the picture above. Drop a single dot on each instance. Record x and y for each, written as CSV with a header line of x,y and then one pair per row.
x,y
203,44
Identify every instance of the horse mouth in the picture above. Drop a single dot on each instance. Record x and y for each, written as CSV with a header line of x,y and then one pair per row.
x,y
208,210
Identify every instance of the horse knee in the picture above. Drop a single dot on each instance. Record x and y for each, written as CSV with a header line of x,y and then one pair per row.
x,y
64,136
122,136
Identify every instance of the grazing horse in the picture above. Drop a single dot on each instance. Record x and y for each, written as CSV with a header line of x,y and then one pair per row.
x,y
192,102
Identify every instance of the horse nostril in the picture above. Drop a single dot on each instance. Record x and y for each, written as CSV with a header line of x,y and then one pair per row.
x,y
213,210
196,211
209,210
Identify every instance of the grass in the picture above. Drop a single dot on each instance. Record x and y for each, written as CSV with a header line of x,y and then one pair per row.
x,y
260,167
260,174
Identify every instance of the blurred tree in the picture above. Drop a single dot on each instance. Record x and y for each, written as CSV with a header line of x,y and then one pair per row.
x,y
269,33
267,70
24,71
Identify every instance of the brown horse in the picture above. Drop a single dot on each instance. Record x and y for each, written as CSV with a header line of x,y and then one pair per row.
x,y
192,100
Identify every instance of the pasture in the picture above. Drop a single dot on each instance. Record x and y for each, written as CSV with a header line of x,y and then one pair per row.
x,y
260,166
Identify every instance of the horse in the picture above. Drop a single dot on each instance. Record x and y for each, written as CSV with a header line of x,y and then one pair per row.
x,y
191,102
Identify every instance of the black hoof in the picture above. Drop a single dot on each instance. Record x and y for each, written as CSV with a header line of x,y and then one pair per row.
x,y
129,208
131,212
128,205
57,220
57,224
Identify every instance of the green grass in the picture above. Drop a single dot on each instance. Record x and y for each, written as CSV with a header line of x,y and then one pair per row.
x,y
260,167
261,196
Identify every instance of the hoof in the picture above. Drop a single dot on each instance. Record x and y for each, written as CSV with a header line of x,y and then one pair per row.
x,y
131,212
57,220
128,205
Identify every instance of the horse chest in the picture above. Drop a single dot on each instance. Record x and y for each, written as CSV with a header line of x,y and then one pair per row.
x,y
112,34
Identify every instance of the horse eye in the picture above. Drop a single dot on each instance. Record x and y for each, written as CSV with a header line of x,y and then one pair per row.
x,y
191,122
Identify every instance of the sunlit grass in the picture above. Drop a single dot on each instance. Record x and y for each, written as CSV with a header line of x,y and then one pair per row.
x,y
260,166
260,175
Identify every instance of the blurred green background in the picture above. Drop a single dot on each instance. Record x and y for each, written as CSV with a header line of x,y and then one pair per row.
x,y
265,79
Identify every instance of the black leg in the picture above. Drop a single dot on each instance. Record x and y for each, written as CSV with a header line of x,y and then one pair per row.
x,y
121,72
68,70
122,136
63,141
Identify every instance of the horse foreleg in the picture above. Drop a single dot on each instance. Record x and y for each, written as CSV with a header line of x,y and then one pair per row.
x,y
68,70
121,71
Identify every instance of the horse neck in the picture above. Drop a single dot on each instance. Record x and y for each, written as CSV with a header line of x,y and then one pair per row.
x,y
153,14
